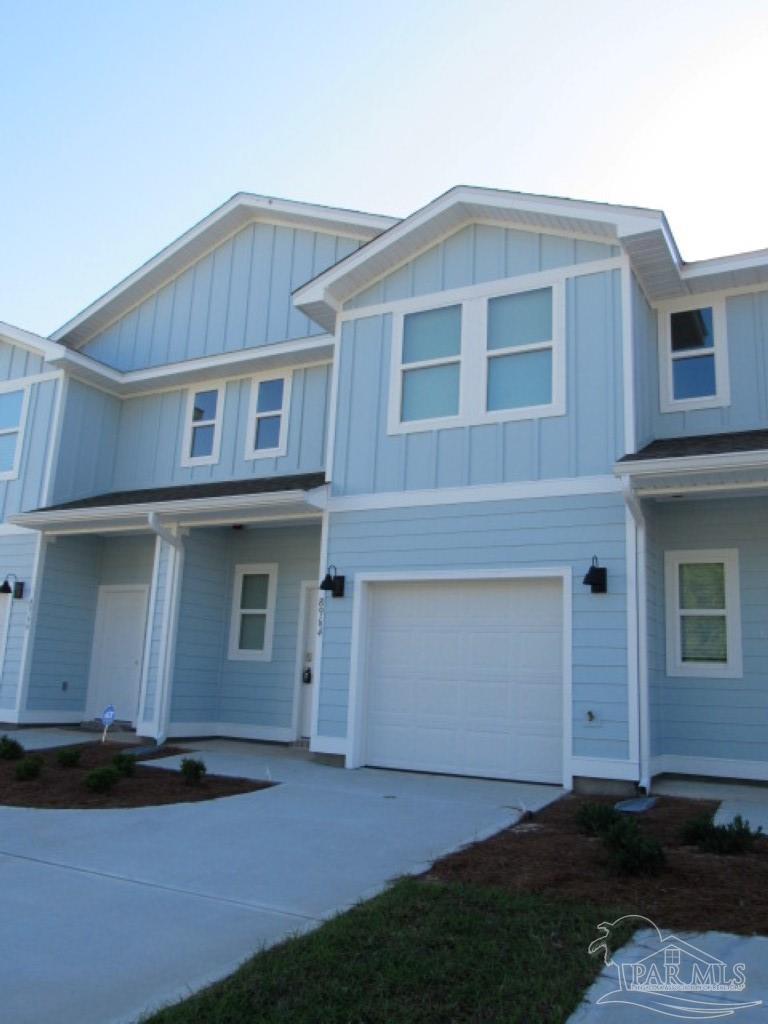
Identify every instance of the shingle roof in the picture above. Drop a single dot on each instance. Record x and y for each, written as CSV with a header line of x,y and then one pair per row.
x,y
188,492
703,444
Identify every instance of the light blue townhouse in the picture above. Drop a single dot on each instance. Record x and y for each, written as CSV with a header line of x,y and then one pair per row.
x,y
481,491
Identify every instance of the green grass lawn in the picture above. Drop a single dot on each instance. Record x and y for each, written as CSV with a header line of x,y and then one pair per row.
x,y
421,953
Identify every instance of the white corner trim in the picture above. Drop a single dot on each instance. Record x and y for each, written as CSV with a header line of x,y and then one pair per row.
x,y
716,767
235,652
605,768
553,488
187,459
153,588
231,730
675,666
251,451
628,356
54,438
355,754
329,745
722,396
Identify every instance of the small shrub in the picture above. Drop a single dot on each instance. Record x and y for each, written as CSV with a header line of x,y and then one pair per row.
x,y
632,853
125,763
10,750
193,770
102,780
69,757
597,819
734,838
695,830
28,768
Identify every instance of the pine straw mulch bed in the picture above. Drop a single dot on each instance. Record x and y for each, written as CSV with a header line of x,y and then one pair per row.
x,y
58,787
548,855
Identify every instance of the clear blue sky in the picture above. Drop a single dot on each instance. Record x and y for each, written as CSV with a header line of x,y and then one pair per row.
x,y
122,122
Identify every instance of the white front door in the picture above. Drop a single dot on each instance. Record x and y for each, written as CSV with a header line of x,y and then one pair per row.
x,y
306,660
118,649
466,677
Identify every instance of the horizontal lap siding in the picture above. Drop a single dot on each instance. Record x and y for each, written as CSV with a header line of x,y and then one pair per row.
x,y
585,441
65,619
17,555
501,534
238,296
747,328
149,449
717,718
203,621
477,253
259,692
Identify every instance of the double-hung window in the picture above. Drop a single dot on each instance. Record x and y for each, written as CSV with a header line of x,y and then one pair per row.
x,y
694,357
253,612
703,613
202,436
498,355
13,414
267,431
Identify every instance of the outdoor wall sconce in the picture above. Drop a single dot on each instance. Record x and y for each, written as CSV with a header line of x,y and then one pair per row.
x,y
333,582
596,578
17,589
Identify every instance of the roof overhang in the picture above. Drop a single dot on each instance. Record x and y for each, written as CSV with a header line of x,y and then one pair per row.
x,y
705,475
271,507
242,209
644,234
49,350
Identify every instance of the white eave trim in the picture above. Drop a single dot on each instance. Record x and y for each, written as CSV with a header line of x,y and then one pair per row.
x,y
693,464
189,247
49,350
244,507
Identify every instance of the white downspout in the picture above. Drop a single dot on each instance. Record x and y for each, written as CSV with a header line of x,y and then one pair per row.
x,y
643,710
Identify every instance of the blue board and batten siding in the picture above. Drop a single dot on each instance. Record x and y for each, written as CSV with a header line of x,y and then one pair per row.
x,y
530,533
210,687
236,297
86,458
478,253
587,440
699,717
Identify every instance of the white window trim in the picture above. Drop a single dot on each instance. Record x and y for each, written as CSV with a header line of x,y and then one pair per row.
x,y
20,431
187,459
473,361
722,396
251,452
235,652
732,669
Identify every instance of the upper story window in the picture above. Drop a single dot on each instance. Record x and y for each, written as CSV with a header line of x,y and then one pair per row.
x,y
202,437
267,430
488,358
694,358
703,613
13,414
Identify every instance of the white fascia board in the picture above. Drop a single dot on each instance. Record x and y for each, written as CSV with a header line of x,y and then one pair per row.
x,y
123,384
726,264
692,464
50,350
170,511
211,231
621,220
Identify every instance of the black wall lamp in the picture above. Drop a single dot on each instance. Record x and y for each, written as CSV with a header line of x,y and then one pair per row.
x,y
333,582
596,578
17,589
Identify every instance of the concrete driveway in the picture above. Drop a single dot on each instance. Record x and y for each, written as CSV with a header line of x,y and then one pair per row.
x,y
106,914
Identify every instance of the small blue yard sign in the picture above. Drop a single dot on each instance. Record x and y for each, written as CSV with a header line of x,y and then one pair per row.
x,y
107,718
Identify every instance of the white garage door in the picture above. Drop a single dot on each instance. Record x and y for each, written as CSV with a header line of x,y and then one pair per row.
x,y
466,678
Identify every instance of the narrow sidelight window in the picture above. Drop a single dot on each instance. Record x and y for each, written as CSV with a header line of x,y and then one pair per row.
x,y
253,612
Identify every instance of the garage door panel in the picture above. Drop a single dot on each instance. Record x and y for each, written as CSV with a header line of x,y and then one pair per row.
x,y
466,677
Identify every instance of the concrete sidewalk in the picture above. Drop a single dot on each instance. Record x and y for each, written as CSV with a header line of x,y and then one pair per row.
x,y
109,913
